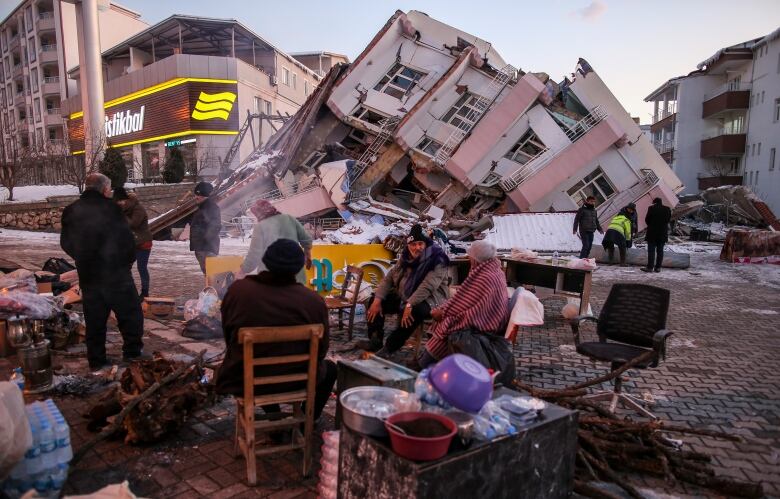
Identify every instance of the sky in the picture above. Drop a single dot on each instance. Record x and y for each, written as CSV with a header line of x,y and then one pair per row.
x,y
634,45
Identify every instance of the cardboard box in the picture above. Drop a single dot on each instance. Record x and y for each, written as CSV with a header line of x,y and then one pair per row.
x,y
44,287
159,307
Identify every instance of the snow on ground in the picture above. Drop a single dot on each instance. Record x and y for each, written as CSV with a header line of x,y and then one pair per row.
x,y
28,193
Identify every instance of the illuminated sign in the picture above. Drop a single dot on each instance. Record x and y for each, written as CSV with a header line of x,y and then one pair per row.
x,y
124,122
179,142
210,106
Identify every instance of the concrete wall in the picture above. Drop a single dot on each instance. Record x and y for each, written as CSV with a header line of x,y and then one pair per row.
x,y
762,127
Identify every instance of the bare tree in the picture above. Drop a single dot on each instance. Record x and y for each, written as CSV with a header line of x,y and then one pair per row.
x,y
207,158
13,166
76,167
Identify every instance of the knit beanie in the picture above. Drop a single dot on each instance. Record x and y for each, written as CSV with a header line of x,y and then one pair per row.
x,y
284,256
416,234
204,189
120,193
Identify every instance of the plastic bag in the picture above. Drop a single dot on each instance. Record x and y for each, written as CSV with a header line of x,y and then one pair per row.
x,y
58,265
203,327
15,435
33,305
523,254
490,350
492,421
221,283
582,263
19,280
208,304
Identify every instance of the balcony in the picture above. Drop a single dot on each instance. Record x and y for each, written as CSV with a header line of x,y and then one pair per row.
x,y
53,117
726,142
17,71
718,181
14,43
666,150
19,99
48,53
664,118
51,86
45,21
728,97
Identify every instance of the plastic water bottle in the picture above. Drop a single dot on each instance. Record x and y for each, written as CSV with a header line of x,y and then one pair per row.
x,y
32,457
61,433
555,257
17,378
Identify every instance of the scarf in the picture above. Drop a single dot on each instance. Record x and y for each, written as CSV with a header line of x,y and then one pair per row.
x,y
418,268
480,303
263,209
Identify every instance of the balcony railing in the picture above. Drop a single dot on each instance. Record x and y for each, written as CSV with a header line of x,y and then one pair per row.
x,y
49,48
51,79
736,129
53,110
728,87
671,108
46,15
288,191
664,147
596,116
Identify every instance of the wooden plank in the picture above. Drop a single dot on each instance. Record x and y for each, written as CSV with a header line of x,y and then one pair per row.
x,y
284,378
284,359
281,398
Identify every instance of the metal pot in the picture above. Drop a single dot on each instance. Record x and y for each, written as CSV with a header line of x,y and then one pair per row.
x,y
388,401
18,334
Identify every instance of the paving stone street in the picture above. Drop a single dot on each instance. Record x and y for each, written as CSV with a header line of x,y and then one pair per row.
x,y
721,372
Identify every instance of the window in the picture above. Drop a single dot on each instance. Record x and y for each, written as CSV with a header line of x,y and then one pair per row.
x,y
772,154
34,79
368,115
314,159
753,150
428,146
528,147
258,104
37,110
759,149
595,184
31,46
52,134
777,110
39,136
398,81
286,76
269,109
306,88
762,96
465,113
294,80
28,17
750,181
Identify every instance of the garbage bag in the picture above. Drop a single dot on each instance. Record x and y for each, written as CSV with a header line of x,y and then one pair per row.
x,y
58,265
490,350
203,327
208,303
15,435
221,282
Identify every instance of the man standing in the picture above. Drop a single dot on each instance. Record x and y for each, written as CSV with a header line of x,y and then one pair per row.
x,y
274,298
96,235
657,220
205,225
587,220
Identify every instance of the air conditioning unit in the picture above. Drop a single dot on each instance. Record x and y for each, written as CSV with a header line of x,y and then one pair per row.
x,y
273,80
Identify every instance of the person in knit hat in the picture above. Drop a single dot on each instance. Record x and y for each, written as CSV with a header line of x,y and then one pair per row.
x,y
416,284
205,225
274,298
138,221
272,226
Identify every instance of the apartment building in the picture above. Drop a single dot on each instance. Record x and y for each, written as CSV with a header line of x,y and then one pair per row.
x,y
720,124
320,62
189,83
434,116
38,42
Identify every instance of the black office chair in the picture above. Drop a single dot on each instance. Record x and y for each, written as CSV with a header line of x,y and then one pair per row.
x,y
632,322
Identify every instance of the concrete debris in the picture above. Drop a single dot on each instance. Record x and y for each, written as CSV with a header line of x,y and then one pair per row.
x,y
431,122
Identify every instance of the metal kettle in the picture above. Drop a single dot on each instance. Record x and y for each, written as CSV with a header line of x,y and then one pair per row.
x,y
18,334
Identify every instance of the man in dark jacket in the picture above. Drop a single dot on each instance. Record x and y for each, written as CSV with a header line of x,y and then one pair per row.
x,y
205,225
657,220
587,221
96,235
274,298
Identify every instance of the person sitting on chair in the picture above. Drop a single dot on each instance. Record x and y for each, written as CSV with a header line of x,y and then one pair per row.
x,y
480,303
274,298
415,285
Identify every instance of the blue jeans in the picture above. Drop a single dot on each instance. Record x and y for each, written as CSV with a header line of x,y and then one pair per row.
x,y
587,243
142,260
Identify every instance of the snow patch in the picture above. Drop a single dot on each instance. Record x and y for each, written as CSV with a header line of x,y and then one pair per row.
x,y
760,311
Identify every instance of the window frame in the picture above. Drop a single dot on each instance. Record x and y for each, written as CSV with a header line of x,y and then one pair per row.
x,y
777,111
591,179
362,111
528,137
772,158
468,100
286,76
428,145
389,80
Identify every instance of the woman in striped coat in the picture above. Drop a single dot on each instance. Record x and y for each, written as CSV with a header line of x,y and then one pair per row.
x,y
480,304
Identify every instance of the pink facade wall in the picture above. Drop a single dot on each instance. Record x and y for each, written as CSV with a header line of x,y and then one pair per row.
x,y
498,120
566,163
307,203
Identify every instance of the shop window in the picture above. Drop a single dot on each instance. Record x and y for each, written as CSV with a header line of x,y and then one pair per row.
x,y
150,157
368,115
527,148
428,146
595,184
465,113
398,81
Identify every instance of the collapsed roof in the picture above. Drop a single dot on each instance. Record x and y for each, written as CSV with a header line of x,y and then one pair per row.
x,y
429,120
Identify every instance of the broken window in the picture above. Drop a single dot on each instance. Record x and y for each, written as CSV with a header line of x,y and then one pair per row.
x,y
428,146
528,147
398,81
595,184
314,159
368,115
465,113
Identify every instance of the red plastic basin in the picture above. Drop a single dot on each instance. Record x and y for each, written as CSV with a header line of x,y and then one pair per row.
x,y
420,448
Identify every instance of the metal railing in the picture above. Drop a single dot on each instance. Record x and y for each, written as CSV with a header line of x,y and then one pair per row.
x,y
287,192
46,15
671,108
648,179
731,86
737,129
49,48
51,79
53,110
596,116
664,147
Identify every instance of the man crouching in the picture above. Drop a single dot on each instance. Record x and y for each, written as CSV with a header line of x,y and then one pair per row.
x,y
274,298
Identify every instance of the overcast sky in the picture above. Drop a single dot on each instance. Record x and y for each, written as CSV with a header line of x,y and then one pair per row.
x,y
634,45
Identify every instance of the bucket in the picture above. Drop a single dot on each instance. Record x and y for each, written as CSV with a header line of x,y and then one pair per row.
x,y
36,367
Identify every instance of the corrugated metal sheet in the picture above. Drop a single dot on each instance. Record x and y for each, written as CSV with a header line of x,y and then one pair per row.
x,y
543,232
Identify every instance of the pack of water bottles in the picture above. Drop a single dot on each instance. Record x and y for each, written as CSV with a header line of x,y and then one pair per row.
x,y
45,464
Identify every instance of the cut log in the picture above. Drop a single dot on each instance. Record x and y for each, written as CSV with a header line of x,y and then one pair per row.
x,y
636,256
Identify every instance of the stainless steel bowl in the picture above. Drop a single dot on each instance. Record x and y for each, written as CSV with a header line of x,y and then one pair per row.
x,y
364,408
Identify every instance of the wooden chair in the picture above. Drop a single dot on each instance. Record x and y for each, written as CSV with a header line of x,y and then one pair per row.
x,y
246,423
342,302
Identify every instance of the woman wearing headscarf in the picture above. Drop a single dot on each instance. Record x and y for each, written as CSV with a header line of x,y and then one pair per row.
x,y
138,221
416,284
480,304
271,226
